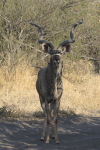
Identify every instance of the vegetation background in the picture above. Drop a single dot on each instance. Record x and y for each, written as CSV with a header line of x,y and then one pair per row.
x,y
20,53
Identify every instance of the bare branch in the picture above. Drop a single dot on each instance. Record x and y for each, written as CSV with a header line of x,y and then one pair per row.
x,y
77,3
31,47
37,67
67,79
89,58
5,38
51,11
5,18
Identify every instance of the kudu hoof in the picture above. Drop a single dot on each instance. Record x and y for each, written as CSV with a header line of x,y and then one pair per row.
x,y
57,142
42,138
53,136
47,142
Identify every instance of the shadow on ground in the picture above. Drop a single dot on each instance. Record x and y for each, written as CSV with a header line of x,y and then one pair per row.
x,y
74,133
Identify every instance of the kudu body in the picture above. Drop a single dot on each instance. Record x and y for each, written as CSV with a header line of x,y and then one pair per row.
x,y
49,83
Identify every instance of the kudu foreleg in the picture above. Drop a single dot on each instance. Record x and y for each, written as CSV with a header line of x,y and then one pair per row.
x,y
43,133
45,120
48,120
53,133
56,108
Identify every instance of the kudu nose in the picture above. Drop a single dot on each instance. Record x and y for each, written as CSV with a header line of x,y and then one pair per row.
x,y
57,61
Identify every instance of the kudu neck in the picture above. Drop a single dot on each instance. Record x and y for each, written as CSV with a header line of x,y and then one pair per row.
x,y
53,76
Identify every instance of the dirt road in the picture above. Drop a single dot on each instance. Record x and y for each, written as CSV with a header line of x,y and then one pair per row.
x,y
78,133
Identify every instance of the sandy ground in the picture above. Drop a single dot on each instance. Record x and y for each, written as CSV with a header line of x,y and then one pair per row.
x,y
77,133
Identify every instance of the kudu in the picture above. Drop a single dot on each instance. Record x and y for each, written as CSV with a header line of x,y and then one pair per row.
x,y
49,83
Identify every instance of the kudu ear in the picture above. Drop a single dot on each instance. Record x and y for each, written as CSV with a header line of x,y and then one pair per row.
x,y
45,47
67,48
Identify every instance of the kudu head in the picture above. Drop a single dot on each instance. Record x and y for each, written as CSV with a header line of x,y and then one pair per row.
x,y
56,54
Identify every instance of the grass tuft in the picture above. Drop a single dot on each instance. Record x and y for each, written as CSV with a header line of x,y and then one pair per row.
x,y
4,113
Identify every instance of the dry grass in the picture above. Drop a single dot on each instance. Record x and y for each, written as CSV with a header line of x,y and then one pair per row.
x,y
83,98
18,92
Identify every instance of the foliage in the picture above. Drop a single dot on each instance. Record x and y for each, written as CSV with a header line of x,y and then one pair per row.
x,y
19,39
4,113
